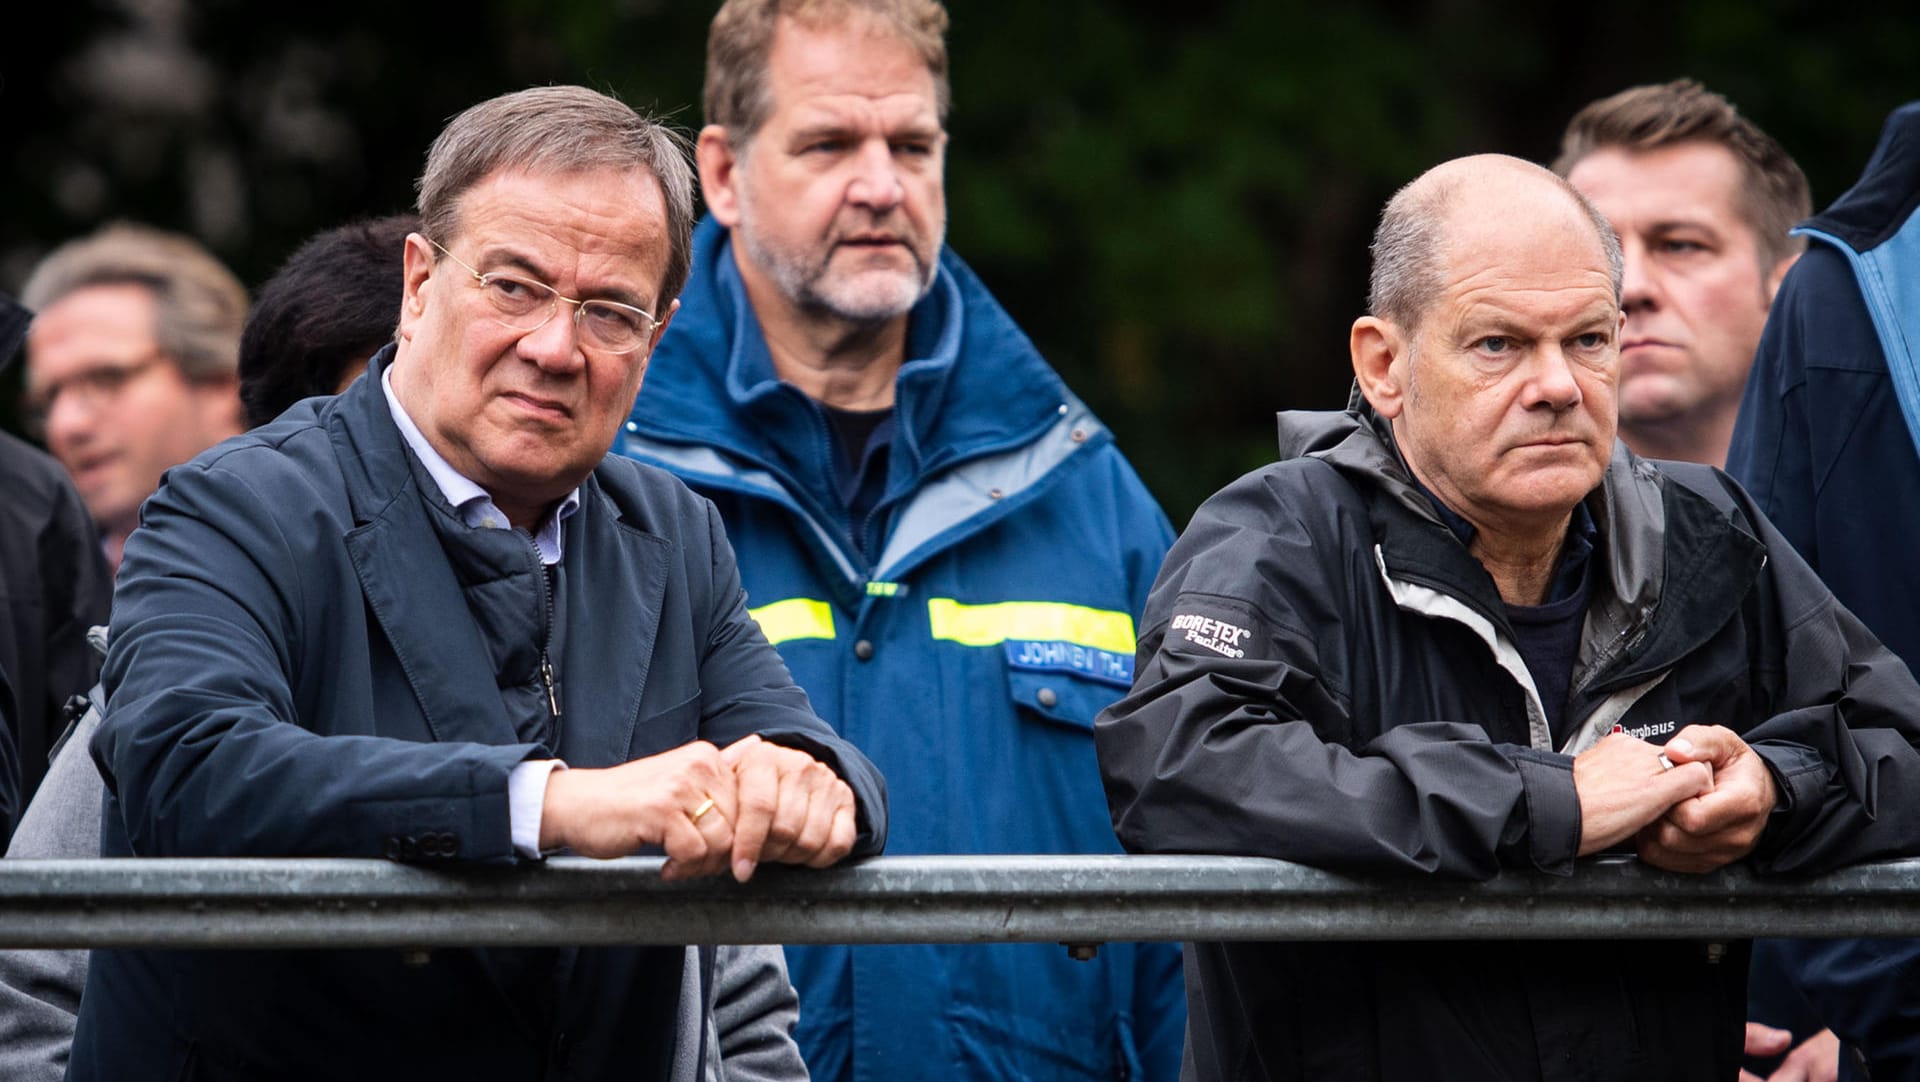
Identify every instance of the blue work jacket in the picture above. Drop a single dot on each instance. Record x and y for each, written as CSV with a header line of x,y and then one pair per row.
x,y
1012,549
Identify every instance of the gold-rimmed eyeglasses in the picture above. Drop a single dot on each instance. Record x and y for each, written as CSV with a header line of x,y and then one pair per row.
x,y
526,305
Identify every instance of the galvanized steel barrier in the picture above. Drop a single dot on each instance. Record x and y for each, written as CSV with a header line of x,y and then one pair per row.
x,y
1079,901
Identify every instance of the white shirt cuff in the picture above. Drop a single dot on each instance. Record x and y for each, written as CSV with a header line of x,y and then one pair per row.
x,y
526,797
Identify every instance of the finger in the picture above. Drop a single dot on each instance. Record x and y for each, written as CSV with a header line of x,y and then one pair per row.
x,y
840,837
1820,1056
1729,808
1765,1040
790,816
758,781
825,803
1684,782
680,836
732,753
714,826
1671,839
1672,861
1715,744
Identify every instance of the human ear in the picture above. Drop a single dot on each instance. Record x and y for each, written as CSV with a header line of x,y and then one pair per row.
x,y
416,267
719,165
1379,353
1778,275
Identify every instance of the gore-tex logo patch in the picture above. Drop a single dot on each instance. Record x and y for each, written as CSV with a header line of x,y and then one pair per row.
x,y
1217,635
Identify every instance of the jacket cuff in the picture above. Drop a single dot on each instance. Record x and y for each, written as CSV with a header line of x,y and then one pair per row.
x,y
1552,809
1800,779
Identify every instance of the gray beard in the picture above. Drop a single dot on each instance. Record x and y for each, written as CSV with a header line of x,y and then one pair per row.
x,y
811,286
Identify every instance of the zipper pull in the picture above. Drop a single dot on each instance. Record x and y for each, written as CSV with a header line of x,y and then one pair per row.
x,y
553,694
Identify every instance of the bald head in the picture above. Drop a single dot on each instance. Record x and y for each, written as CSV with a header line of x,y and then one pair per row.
x,y
1484,196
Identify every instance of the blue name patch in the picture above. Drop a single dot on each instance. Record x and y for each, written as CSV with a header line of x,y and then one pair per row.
x,y
1102,665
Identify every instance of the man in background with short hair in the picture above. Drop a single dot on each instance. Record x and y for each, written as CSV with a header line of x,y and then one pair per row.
x,y
332,305
1702,200
130,364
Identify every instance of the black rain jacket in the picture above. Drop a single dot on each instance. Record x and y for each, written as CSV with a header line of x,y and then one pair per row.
x,y
1325,675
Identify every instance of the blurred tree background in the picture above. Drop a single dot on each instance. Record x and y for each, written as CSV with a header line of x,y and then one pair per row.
x,y
1174,201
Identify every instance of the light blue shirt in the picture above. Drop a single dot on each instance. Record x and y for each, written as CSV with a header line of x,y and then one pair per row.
x,y
476,507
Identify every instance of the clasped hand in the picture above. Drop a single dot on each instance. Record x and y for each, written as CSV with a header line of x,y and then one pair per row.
x,y
1704,813
709,808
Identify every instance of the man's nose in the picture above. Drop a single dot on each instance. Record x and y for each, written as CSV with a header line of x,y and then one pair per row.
x,y
1553,385
876,179
555,344
1639,291
70,420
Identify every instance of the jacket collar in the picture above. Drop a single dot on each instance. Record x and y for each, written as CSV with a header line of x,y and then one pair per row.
x,y
711,382
411,589
1672,566
1888,191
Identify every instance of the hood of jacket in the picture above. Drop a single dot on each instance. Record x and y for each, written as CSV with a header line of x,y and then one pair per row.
x,y
1631,508
1888,190
711,382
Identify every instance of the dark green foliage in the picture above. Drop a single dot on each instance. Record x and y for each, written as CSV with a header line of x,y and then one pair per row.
x,y
1175,206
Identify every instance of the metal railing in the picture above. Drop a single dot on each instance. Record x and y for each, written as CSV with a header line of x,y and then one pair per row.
x,y
1078,901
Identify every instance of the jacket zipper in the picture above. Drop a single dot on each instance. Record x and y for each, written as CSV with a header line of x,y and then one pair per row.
x,y
546,662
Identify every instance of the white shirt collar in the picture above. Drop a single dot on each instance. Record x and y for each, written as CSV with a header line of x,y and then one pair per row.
x,y
476,508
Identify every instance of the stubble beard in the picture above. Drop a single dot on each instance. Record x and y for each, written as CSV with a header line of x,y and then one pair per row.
x,y
807,277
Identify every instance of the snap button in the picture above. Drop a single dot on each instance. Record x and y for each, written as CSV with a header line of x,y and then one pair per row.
x,y
863,650
1048,697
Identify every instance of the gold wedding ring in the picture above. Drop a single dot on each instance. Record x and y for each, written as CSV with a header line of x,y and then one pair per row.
x,y
705,807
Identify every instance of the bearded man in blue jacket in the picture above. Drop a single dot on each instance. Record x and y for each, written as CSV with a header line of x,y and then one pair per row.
x,y
942,541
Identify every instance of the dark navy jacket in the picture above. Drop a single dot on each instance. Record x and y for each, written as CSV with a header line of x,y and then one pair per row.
x,y
1821,442
1011,551
296,671
1823,446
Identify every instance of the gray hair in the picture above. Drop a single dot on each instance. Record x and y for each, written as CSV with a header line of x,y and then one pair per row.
x,y
560,129
1409,246
198,305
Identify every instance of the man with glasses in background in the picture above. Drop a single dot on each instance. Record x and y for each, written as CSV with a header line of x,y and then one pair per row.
x,y
131,364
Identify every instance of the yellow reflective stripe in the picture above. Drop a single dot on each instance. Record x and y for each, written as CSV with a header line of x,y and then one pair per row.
x,y
1039,621
794,618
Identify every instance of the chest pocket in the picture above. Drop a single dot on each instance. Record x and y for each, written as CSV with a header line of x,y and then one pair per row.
x,y
1064,662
